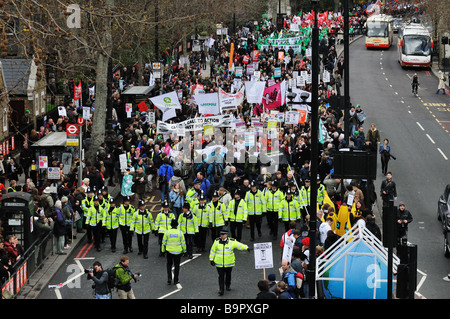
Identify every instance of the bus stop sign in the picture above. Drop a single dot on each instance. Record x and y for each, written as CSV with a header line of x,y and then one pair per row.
x,y
72,134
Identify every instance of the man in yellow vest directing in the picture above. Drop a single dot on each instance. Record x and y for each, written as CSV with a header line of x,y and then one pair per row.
x,y
222,256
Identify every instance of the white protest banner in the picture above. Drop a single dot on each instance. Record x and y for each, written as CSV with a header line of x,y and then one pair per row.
x,y
293,27
123,161
207,103
195,124
43,161
86,113
326,76
301,81
151,117
292,117
168,114
254,91
258,127
128,109
62,111
308,52
165,101
296,47
263,255
166,128
288,247
228,101
302,107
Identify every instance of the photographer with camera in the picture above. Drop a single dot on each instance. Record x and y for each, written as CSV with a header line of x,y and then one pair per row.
x,y
404,217
385,153
124,276
100,278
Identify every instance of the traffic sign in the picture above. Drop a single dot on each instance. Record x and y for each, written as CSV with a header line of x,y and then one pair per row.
x,y
72,133
80,121
72,129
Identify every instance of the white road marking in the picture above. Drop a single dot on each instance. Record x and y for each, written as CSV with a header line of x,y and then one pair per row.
x,y
442,153
429,137
420,126
179,287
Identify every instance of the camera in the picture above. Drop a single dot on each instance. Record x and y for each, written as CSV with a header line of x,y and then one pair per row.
x,y
86,271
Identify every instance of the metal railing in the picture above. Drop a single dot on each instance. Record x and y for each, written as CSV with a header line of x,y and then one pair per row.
x,y
33,259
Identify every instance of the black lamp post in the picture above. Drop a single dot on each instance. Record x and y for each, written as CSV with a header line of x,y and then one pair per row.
x,y
314,153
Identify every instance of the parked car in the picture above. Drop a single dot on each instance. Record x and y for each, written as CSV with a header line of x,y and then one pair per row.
x,y
443,214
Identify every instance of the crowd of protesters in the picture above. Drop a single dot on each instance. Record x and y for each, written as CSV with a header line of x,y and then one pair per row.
x,y
183,180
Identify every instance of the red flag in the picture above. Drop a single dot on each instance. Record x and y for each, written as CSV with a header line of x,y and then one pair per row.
x,y
77,91
142,107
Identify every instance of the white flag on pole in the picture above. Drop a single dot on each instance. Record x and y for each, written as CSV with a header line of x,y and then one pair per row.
x,y
254,91
207,103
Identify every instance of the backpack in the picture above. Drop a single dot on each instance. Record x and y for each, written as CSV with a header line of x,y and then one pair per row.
x,y
163,178
217,170
112,278
299,280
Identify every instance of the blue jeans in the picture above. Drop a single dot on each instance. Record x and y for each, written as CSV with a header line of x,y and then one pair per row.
x,y
97,296
164,192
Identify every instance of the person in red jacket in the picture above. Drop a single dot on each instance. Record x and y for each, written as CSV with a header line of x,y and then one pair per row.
x,y
10,245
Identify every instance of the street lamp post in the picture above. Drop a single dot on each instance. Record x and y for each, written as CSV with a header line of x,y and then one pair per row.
x,y
314,153
346,73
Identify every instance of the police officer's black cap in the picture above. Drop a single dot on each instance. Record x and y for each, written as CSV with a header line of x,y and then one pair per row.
x,y
165,204
111,200
105,188
202,197
253,184
96,198
89,190
126,199
187,206
274,184
174,223
216,194
223,231
141,203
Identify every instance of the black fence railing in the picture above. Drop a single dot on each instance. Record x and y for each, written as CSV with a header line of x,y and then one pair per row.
x,y
25,268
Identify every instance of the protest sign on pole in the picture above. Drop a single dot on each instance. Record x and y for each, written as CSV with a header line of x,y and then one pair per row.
x,y
263,256
207,103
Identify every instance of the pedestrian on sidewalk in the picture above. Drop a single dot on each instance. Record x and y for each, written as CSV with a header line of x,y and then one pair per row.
x,y
441,86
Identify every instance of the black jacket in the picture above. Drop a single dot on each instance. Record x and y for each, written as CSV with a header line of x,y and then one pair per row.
x,y
101,282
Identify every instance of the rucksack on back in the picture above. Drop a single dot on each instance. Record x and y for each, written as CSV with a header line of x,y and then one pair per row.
x,y
112,278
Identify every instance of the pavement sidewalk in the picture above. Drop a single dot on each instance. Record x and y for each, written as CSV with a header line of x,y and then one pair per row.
x,y
43,275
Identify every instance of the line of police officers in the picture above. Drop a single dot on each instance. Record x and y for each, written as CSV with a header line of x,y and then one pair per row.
x,y
178,234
